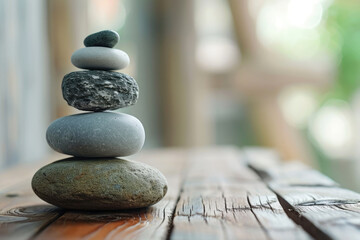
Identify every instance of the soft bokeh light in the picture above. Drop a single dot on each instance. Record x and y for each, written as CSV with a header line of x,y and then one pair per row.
x,y
110,13
212,17
217,54
216,50
333,129
292,26
298,104
304,13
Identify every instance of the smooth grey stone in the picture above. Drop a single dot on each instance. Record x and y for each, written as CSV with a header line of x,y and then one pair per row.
x,y
99,184
99,90
100,58
106,38
99,134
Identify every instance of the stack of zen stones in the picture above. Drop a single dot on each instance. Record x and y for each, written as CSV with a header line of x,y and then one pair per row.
x,y
94,179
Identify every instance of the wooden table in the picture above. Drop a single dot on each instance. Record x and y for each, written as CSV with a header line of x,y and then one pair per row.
x,y
215,193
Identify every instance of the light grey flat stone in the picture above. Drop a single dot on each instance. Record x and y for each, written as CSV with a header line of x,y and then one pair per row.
x,y
99,184
99,134
97,90
106,38
100,58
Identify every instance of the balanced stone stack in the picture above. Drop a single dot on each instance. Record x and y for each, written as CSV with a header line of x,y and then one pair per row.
x,y
95,179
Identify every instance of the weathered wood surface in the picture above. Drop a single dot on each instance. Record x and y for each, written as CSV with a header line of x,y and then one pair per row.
x,y
311,199
22,214
222,199
17,175
213,194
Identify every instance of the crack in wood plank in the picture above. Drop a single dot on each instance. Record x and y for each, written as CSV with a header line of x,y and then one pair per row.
x,y
257,219
302,221
310,199
171,218
327,202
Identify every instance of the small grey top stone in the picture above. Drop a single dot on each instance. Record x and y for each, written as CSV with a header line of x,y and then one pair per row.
x,y
106,38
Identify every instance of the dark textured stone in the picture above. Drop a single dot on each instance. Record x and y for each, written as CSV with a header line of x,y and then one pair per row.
x,y
99,184
106,38
99,90
100,134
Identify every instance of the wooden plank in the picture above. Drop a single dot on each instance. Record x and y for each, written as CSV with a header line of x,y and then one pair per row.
x,y
148,223
296,174
326,212
22,214
269,212
18,175
268,165
316,196
312,200
222,199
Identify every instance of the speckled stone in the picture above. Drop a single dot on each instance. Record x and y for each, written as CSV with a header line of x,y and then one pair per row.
x,y
98,134
106,38
100,58
99,90
99,184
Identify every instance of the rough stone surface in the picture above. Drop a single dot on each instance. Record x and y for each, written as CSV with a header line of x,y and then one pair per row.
x,y
99,90
100,58
106,38
99,134
99,184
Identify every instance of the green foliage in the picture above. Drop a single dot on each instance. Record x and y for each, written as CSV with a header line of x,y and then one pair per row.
x,y
343,24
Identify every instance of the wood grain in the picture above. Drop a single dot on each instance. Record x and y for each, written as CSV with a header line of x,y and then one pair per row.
x,y
212,195
311,199
22,214
148,223
222,199
17,175
326,212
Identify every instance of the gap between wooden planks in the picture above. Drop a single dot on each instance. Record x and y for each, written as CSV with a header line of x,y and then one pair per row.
x,y
312,200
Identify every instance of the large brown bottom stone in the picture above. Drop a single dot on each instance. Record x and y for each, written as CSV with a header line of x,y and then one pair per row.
x,y
99,184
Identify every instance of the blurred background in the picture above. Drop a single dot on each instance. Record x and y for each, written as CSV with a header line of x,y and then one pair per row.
x,y
283,74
